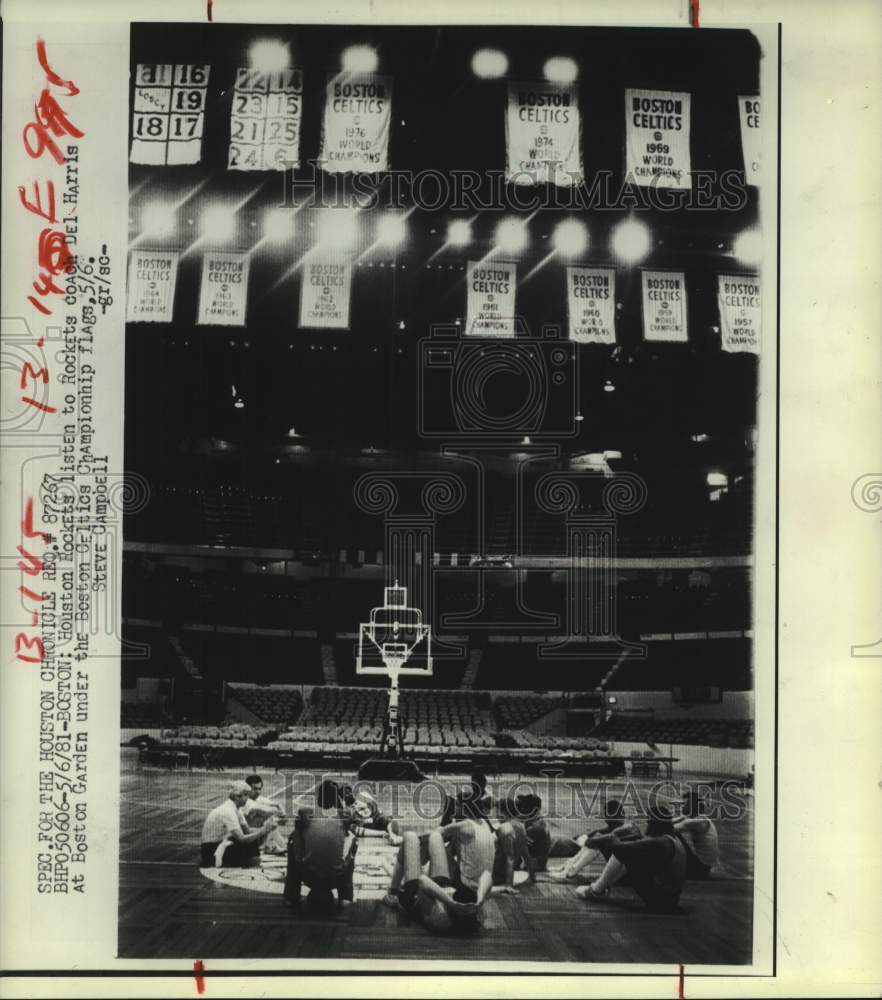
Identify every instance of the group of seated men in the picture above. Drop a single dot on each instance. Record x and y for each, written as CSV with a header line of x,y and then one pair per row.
x,y
443,878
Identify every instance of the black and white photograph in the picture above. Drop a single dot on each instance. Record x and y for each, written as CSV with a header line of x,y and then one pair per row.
x,y
443,352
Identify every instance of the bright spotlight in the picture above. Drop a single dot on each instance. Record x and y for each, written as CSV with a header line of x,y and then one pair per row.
x,y
278,224
269,55
717,479
338,228
749,247
570,238
158,219
560,69
217,223
391,229
459,233
511,235
360,59
630,241
489,64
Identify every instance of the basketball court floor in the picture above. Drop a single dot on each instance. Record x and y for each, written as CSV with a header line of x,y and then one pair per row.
x,y
169,909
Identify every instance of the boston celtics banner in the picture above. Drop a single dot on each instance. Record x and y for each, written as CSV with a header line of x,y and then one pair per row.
x,y
543,130
740,312
150,296
490,303
751,141
664,305
591,306
325,291
657,138
223,292
358,112
265,120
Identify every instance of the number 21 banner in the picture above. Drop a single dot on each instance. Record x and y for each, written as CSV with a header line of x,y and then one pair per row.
x,y
265,120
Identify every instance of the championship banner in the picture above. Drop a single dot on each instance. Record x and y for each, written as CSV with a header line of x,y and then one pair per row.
x,y
751,137
325,292
358,112
490,304
150,295
591,305
657,126
265,120
168,113
664,305
740,312
543,132
223,291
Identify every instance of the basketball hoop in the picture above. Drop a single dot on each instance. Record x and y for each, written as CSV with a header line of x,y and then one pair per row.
x,y
394,631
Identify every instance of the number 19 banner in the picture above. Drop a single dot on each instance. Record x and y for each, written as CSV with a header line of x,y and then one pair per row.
x,y
168,113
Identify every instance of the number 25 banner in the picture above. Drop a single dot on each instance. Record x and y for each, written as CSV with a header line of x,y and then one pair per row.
x,y
265,120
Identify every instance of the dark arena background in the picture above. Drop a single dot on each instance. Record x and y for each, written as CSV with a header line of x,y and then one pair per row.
x,y
574,520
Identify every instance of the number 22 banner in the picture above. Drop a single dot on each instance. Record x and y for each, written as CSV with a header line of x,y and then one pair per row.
x,y
265,120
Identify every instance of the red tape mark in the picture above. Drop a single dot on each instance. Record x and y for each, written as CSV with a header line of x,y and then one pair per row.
x,y
198,965
682,991
210,5
693,16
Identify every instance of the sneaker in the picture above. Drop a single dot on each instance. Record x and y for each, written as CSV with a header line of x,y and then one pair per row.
x,y
561,876
587,892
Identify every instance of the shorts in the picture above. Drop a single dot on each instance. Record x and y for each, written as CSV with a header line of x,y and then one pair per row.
x,y
695,869
463,894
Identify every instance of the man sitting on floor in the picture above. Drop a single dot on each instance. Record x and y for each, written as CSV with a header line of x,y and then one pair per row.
x,y
258,809
317,853
699,836
655,864
369,821
512,848
616,826
430,898
227,840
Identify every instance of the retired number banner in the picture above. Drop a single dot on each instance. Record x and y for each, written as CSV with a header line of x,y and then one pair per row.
x,y
358,112
265,120
168,112
150,296
657,138
751,137
740,312
490,304
223,292
591,304
664,305
325,292
543,134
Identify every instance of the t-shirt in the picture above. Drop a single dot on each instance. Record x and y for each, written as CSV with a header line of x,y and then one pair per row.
x,y
223,819
703,843
475,845
324,837
257,811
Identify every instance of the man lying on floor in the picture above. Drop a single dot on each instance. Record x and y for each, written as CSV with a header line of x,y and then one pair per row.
x,y
433,899
227,840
